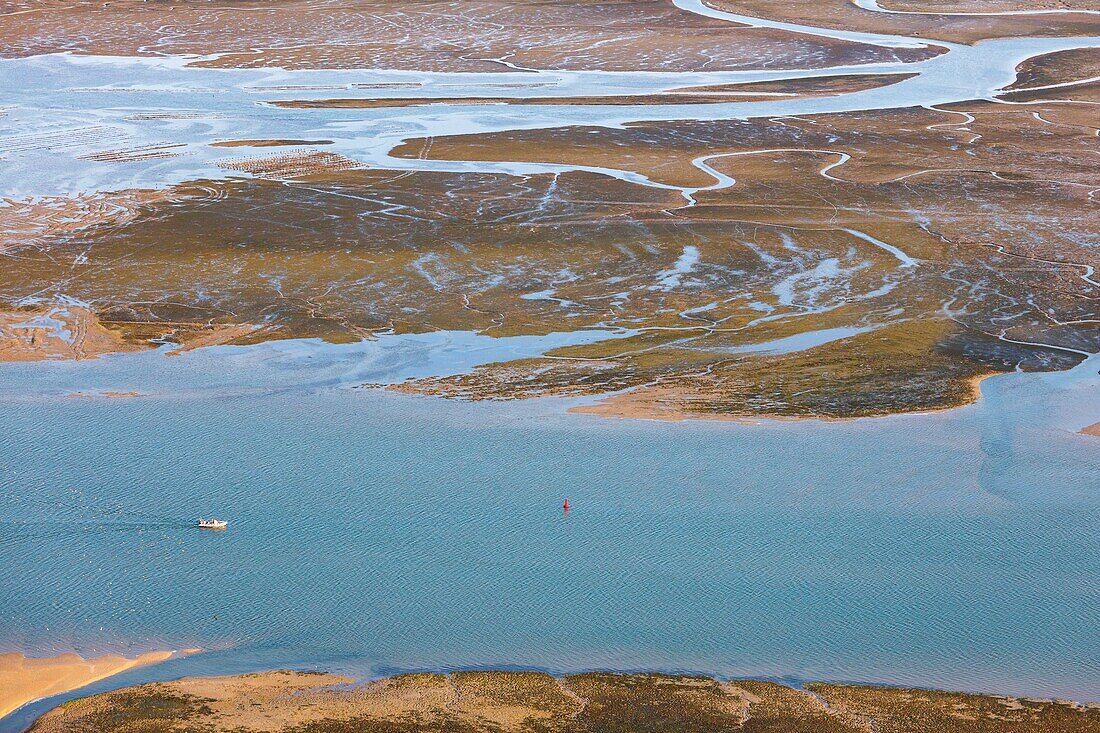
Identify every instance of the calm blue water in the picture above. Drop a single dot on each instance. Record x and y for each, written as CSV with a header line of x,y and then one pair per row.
x,y
373,532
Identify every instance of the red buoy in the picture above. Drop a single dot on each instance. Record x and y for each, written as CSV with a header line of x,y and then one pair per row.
x,y
565,506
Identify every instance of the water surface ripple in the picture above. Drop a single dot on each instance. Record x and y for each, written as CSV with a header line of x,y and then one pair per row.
x,y
373,532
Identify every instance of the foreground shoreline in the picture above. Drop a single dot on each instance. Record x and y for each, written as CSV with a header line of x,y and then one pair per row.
x,y
25,680
473,701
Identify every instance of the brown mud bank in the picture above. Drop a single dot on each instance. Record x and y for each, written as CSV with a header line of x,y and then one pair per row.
x,y
533,702
470,35
1061,67
1045,141
932,19
817,86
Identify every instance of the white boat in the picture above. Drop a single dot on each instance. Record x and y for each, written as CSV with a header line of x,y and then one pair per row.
x,y
213,523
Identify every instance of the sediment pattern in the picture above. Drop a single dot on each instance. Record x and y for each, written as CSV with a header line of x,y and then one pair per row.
x,y
835,264
854,264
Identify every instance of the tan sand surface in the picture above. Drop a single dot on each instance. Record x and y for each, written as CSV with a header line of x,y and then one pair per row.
x,y
535,702
1093,429
25,679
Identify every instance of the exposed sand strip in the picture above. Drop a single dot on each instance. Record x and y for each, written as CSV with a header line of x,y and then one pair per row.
x,y
24,680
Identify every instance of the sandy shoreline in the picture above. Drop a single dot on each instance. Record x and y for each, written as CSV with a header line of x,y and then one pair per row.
x,y
26,679
493,701
1093,429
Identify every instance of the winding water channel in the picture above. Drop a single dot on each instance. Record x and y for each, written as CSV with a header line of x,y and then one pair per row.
x,y
63,94
376,532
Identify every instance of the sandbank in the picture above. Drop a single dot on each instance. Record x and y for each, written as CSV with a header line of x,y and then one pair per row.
x,y
26,679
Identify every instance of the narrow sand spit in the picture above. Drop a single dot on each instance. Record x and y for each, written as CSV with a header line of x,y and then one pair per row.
x,y
1093,429
23,679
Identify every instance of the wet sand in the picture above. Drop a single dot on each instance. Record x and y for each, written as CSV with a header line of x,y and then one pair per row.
x,y
24,679
33,223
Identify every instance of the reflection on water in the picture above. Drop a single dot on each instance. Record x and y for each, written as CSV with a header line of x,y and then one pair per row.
x,y
373,532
